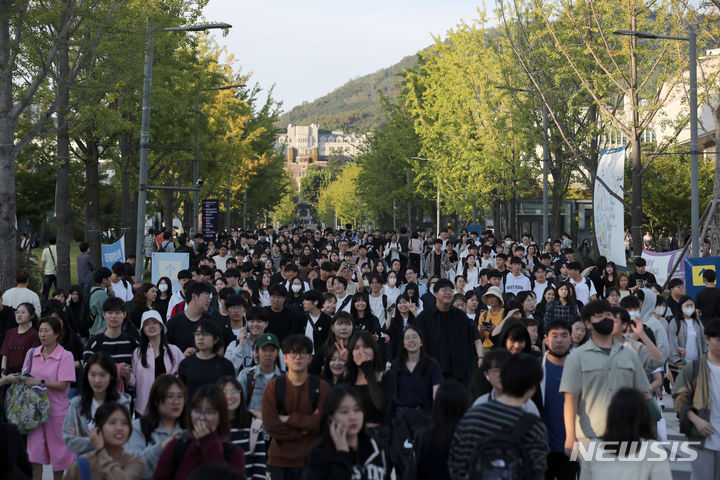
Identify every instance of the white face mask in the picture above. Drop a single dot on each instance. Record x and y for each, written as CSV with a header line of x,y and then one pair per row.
x,y
296,288
660,310
163,287
634,315
391,281
328,247
262,259
508,242
688,311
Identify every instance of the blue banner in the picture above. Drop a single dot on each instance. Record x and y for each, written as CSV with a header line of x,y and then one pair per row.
x,y
168,265
694,268
210,219
115,252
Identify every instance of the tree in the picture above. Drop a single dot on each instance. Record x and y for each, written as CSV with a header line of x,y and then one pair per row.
x,y
613,71
340,198
316,179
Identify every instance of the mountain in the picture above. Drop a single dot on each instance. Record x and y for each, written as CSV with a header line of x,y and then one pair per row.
x,y
354,106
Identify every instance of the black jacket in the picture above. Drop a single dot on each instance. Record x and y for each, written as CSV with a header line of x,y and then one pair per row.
x,y
369,462
321,328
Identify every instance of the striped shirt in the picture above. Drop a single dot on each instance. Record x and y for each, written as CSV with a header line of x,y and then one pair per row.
x,y
483,421
120,348
255,463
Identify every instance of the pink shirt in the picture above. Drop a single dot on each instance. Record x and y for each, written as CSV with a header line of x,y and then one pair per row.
x,y
59,367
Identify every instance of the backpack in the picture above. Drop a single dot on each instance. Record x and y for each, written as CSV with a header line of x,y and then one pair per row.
x,y
250,386
502,455
27,407
181,445
281,389
87,319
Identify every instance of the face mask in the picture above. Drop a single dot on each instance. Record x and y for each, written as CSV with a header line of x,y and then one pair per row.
x,y
660,310
328,247
163,287
508,242
604,326
262,259
296,288
391,281
688,311
634,315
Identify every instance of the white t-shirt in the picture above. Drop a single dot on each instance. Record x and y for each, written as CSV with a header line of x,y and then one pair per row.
x,y
310,330
122,290
221,262
16,295
489,263
392,294
712,442
539,290
517,284
376,306
691,350
582,291
340,302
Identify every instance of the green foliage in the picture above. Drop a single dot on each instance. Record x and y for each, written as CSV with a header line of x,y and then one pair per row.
x,y
316,179
354,106
340,197
285,210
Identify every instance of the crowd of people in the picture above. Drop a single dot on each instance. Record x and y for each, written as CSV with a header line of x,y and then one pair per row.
x,y
309,354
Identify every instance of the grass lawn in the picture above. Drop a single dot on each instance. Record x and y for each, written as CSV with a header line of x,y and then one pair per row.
x,y
74,252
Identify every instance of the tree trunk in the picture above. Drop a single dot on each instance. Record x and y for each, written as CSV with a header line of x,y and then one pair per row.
x,y
168,208
128,204
556,226
8,229
63,218
636,198
92,200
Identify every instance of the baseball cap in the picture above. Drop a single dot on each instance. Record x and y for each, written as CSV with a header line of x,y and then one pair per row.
x,y
267,339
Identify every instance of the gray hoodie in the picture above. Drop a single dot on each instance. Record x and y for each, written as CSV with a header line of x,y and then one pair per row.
x,y
150,451
76,431
647,315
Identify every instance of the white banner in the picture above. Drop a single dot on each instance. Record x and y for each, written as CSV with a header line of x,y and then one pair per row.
x,y
608,210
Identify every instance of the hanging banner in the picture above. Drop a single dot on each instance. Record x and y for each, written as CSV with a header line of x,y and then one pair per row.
x,y
168,265
608,210
660,265
115,252
210,219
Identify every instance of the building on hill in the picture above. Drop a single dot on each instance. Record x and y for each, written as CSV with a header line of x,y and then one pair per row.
x,y
306,145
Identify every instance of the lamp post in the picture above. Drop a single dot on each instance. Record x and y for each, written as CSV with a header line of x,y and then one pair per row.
x,y
692,67
145,134
546,158
196,156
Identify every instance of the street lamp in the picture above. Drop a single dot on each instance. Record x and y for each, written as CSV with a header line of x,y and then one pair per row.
x,y
546,158
145,134
437,198
692,67
196,159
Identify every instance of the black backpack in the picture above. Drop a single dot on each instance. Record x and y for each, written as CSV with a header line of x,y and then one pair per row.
x,y
281,388
502,455
86,319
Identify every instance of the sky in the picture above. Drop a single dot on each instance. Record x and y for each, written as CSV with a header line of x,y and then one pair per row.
x,y
309,48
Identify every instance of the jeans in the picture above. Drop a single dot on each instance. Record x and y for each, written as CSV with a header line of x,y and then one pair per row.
x,y
85,288
706,465
148,261
47,281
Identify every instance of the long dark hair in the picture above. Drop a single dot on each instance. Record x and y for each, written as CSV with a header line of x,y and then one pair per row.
x,y
338,317
400,363
104,411
398,317
628,420
105,362
243,417
518,332
368,340
216,398
332,402
367,313
139,302
158,394
571,298
33,314
452,400
326,372
145,342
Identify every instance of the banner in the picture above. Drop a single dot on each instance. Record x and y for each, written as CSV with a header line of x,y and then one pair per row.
x,y
660,265
115,252
168,265
694,268
210,219
608,210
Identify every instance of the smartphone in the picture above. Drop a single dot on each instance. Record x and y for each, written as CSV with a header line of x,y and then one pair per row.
x,y
487,324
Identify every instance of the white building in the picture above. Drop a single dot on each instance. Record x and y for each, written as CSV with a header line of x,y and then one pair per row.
x,y
306,145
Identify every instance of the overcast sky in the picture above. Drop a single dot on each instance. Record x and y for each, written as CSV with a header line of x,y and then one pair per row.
x,y
309,48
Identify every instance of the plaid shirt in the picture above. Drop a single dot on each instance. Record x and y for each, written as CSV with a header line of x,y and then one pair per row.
x,y
558,311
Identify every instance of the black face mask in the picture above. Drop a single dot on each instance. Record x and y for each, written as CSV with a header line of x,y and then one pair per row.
x,y
604,326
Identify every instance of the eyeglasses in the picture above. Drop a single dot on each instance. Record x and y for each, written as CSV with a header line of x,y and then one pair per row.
x,y
231,393
207,415
178,397
298,354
